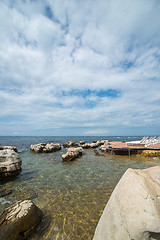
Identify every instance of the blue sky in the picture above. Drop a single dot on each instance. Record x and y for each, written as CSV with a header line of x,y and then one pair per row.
x,y
71,67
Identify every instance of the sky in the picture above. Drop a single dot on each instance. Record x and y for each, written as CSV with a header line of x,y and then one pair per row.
x,y
79,67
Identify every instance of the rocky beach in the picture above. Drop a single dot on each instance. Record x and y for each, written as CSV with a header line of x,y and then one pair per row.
x,y
68,180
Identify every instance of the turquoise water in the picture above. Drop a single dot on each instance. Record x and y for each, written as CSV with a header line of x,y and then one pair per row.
x,y
71,195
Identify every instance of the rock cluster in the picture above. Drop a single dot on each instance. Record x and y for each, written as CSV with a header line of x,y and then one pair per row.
x,y
72,153
9,147
10,164
133,210
93,144
70,144
82,142
19,220
104,148
45,147
149,153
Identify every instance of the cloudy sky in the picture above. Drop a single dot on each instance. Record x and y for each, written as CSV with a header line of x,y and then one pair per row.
x,y
79,67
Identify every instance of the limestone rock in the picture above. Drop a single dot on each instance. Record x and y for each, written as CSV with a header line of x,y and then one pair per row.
x,y
9,147
19,220
133,210
10,164
104,148
90,145
45,147
150,153
70,144
72,153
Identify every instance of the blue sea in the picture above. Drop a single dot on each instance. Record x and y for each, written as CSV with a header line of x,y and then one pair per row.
x,y
71,195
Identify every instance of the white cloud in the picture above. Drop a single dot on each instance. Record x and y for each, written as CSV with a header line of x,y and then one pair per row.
x,y
96,132
81,45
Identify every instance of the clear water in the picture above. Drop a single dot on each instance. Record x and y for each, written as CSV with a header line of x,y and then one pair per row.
x,y
71,195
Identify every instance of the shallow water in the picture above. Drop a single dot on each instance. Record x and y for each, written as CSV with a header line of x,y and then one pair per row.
x,y
71,195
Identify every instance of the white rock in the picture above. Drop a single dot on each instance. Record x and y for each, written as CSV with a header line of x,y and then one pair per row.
x,y
72,153
133,211
10,163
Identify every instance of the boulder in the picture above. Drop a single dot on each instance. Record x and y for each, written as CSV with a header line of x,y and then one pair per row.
x,y
72,154
10,164
70,144
45,147
82,142
9,147
90,145
19,220
104,148
149,153
133,210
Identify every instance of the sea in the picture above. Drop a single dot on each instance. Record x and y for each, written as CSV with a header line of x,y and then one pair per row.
x,y
71,195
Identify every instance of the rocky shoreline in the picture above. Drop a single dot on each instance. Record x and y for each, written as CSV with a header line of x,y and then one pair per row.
x,y
10,167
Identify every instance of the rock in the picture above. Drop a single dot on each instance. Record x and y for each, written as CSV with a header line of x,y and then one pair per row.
x,y
70,144
96,153
72,153
4,192
9,147
45,147
19,220
104,148
90,145
10,164
82,142
149,153
133,210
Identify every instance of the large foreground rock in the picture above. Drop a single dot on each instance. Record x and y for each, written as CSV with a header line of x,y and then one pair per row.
x,y
45,147
10,164
72,154
9,147
19,220
133,211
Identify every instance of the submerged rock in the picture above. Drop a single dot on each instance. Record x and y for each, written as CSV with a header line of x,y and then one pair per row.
x,y
5,191
19,220
10,164
133,210
70,144
45,147
97,153
72,153
9,147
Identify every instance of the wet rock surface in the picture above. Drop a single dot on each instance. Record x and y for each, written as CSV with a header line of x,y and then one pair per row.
x,y
10,164
132,211
45,147
5,191
72,154
19,220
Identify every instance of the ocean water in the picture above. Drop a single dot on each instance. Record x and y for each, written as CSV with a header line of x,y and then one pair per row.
x,y
71,195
